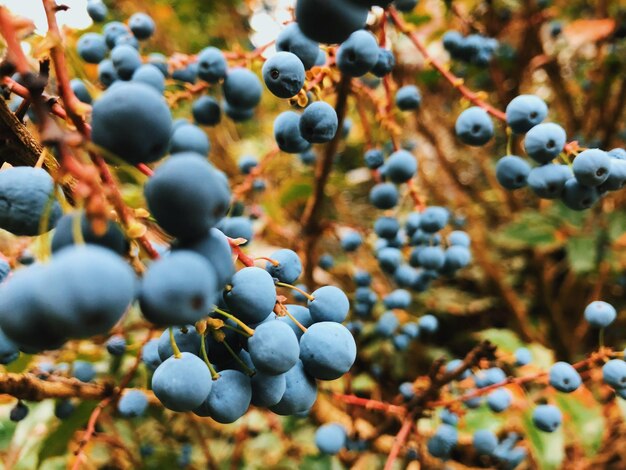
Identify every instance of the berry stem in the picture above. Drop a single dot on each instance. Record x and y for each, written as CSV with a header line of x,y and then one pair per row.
x,y
293,319
236,330
243,326
177,352
205,357
238,360
601,338
297,289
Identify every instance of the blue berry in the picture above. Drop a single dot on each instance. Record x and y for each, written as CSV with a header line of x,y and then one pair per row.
x,y
387,227
385,63
330,438
592,167
80,90
291,39
617,176
547,418
187,340
63,236
300,392
150,354
287,133
428,324
212,65
459,238
443,441
329,304
411,329
301,314
83,371
189,138
374,159
512,172
63,409
151,76
330,22
401,342
283,74
132,121
488,377
564,377
578,197
389,259
401,166
600,314
116,345
358,54
525,112
237,227
351,241
132,404
141,25
92,48
548,181
387,324
327,350
433,219
206,111
187,196
448,417
18,412
362,278
499,400
431,257
522,356
107,74
252,296
214,247
267,390
544,142
484,441
97,10
160,62
9,351
126,60
229,399
274,347
614,373
112,30
289,266
384,196
408,98
242,88
182,384
474,127
326,261
318,123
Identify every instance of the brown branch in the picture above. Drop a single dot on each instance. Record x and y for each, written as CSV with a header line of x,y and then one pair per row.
x,y
30,387
455,81
311,220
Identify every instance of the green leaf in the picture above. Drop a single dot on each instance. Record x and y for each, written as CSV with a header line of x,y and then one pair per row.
x,y
58,439
531,229
581,253
503,339
584,414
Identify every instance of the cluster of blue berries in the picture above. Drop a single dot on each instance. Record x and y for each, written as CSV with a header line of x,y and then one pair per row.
x,y
472,49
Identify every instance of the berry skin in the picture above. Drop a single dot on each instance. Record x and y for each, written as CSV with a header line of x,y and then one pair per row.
x,y
512,172
564,377
448,417
247,163
600,314
215,249
318,123
459,238
9,351
443,441
384,196
474,127
84,371
126,60
252,296
433,219
188,74
116,345
92,48
300,392
112,30
212,65
24,197
189,138
548,181
547,418
544,142
187,196
97,10
287,133
487,377
327,350
408,98
150,354
358,54
428,324
385,63
289,266
242,88
283,74
522,357
351,241
18,412
141,25
387,227
411,329
132,121
592,167
329,304
614,373
150,75
237,227
80,90
330,22
484,441
431,257
274,347
206,111
499,400
617,176
578,197
267,390
182,384
291,39
401,166
453,365
132,404
112,239
301,314
187,340
525,112
63,409
326,261
330,438
374,159
106,73
229,398
398,298
387,324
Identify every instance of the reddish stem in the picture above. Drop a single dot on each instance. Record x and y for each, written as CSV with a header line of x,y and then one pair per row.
x,y
370,404
399,441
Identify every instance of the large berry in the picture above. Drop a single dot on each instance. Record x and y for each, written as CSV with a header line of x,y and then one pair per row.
x,y
592,167
182,384
274,347
547,418
358,54
474,127
544,142
283,74
525,112
229,398
564,377
330,22
318,123
327,350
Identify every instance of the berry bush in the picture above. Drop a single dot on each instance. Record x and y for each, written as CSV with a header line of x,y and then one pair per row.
x,y
313,234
